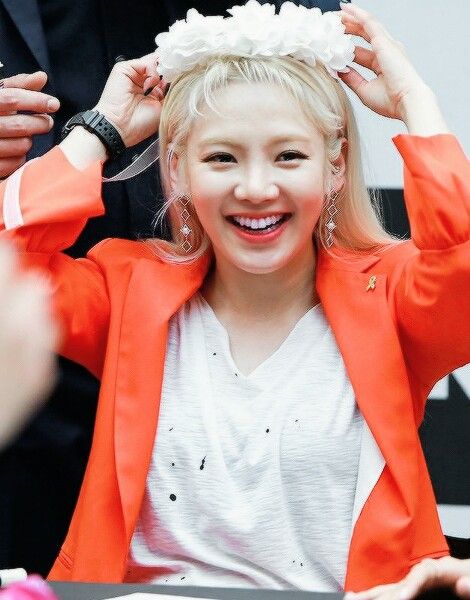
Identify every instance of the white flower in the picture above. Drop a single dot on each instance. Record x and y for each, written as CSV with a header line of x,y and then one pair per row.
x,y
188,43
255,29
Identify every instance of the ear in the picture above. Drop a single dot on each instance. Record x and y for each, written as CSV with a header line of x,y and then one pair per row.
x,y
338,177
174,177
177,175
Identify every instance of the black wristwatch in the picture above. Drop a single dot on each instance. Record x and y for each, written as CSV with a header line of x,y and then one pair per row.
x,y
96,123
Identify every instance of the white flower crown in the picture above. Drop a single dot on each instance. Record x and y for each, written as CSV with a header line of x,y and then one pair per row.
x,y
255,30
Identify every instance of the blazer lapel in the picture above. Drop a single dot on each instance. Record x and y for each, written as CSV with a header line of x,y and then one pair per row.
x,y
143,348
361,320
25,15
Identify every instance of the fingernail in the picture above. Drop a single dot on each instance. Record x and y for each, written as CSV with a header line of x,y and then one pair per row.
x,y
53,104
349,596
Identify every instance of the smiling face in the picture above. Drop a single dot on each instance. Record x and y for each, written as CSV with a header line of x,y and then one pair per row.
x,y
256,174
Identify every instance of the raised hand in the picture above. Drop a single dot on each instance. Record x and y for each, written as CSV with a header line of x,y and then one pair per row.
x,y
396,91
124,101
22,93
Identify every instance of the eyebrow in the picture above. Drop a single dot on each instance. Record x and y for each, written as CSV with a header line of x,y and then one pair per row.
x,y
282,139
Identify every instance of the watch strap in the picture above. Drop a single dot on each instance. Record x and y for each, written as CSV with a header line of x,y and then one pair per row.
x,y
96,123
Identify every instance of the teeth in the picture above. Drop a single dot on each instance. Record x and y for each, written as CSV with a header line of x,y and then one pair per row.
x,y
257,223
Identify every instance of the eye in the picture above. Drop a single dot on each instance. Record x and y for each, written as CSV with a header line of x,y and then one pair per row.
x,y
290,155
220,157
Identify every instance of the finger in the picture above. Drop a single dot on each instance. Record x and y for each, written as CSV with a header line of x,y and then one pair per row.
x,y
366,58
352,27
26,81
145,64
156,93
364,24
14,147
17,99
420,577
140,69
9,165
354,80
152,81
430,573
18,126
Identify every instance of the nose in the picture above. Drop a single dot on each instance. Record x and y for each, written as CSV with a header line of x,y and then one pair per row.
x,y
256,186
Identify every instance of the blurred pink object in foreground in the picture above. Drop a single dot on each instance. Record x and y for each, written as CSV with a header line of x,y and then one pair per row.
x,y
33,588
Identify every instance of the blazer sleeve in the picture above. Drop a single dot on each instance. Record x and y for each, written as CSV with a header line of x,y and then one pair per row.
x,y
432,287
44,207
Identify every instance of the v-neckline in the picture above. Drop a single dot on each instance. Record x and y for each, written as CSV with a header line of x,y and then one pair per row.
x,y
252,376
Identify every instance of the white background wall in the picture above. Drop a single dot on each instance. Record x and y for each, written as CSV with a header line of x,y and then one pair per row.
x,y
436,35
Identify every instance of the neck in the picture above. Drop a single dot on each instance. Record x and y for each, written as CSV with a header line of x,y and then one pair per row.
x,y
286,293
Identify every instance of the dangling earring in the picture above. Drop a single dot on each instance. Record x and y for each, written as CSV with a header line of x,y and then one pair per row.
x,y
332,211
185,229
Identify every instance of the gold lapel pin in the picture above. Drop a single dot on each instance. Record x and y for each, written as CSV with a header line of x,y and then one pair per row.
x,y
372,282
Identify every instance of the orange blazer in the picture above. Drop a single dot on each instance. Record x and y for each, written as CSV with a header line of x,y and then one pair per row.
x,y
397,337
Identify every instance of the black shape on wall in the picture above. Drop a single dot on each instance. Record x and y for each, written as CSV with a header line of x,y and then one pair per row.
x,y
446,443
393,211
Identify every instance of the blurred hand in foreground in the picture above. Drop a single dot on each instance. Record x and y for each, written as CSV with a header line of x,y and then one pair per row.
x,y
27,339
429,574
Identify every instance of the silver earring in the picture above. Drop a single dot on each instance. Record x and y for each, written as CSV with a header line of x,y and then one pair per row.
x,y
185,229
331,211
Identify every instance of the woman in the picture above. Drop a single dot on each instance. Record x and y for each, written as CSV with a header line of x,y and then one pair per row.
x,y
261,391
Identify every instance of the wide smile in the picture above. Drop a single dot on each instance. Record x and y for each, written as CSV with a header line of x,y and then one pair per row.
x,y
260,229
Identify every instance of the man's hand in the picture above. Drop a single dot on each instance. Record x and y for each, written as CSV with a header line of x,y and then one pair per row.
x,y
17,94
429,574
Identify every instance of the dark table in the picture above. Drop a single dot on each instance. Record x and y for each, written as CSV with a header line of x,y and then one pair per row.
x,y
100,591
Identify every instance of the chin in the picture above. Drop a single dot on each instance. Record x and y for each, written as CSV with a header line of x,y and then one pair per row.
x,y
261,268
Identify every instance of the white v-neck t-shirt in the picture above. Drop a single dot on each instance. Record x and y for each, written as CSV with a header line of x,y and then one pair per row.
x,y
252,478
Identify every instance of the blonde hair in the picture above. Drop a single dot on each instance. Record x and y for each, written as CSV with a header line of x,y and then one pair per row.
x,y
323,101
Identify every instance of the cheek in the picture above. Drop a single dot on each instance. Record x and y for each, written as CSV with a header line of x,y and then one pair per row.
x,y
311,207
206,209
208,185
207,193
